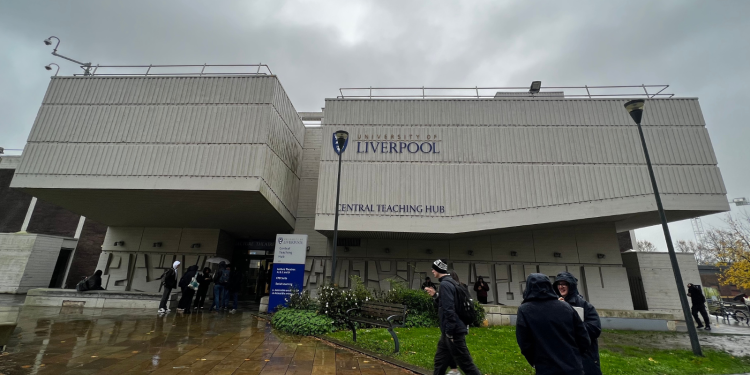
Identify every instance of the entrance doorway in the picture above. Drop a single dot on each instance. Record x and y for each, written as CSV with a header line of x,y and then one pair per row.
x,y
58,275
256,266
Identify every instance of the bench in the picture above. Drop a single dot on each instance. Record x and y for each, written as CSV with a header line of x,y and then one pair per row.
x,y
378,314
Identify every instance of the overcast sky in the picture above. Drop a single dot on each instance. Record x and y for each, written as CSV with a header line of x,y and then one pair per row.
x,y
699,48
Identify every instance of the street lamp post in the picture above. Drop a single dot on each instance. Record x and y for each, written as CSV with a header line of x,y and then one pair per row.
x,y
340,140
635,108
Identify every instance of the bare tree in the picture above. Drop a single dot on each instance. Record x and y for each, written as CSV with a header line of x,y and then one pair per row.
x,y
703,255
646,246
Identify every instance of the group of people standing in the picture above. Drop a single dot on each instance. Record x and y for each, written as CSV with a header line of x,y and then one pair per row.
x,y
551,333
227,285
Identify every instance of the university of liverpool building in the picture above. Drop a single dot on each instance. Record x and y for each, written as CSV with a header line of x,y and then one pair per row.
x,y
190,167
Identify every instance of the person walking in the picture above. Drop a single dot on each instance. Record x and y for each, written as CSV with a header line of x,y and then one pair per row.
x,y
452,344
234,287
169,281
204,281
218,288
695,292
549,332
187,292
481,288
566,286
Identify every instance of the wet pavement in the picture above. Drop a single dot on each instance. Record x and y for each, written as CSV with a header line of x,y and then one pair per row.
x,y
117,341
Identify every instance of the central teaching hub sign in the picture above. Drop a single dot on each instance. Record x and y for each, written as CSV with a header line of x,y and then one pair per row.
x,y
397,144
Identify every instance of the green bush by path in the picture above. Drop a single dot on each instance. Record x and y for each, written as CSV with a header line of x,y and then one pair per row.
x,y
301,322
496,352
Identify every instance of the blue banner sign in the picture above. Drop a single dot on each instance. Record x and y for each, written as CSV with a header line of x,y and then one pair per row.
x,y
288,268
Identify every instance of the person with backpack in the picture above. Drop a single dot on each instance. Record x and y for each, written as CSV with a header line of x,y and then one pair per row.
x,y
451,301
566,286
218,287
549,332
187,291
169,281
93,282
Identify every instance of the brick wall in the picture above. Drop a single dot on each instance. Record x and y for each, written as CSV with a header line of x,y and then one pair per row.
x,y
87,252
53,220
13,204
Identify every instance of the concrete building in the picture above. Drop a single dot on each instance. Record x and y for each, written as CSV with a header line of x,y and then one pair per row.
x,y
190,167
41,244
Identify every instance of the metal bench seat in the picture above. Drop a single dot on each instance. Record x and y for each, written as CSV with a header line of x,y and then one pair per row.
x,y
386,315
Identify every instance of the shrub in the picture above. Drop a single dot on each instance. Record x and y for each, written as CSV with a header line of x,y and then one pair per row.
x,y
481,314
334,302
301,301
301,322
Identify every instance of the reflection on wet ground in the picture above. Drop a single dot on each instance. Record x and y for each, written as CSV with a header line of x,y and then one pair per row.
x,y
116,341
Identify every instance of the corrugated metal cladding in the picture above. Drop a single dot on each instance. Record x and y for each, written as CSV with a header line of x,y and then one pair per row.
x,y
500,155
243,126
506,111
531,144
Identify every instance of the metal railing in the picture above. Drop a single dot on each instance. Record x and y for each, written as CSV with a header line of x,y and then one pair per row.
x,y
179,70
505,92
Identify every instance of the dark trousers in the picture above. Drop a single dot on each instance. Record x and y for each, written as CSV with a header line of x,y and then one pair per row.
x,y
702,309
200,298
164,298
218,296
186,299
454,351
482,299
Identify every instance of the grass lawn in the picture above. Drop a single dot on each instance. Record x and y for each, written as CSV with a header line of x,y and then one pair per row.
x,y
495,352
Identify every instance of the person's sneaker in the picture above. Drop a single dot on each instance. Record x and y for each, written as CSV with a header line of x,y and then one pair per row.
x,y
162,311
454,371
699,326
169,310
232,311
708,328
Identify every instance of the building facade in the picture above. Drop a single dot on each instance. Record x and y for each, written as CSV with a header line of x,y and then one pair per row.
x,y
191,167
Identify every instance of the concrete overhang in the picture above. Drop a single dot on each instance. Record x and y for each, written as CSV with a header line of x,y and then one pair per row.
x,y
245,214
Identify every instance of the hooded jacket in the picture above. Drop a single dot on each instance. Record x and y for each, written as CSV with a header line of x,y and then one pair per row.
x,y
549,332
450,323
217,274
188,276
591,365
94,282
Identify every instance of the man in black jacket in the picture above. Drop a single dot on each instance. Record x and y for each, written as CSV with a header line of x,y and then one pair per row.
x,y
566,286
169,281
452,342
695,292
549,332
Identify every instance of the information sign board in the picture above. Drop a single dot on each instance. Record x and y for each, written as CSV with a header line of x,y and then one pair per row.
x,y
288,267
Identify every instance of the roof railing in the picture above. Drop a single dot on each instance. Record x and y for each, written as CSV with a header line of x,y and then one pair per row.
x,y
179,70
648,91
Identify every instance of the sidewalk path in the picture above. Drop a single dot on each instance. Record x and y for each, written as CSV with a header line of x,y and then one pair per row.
x,y
55,341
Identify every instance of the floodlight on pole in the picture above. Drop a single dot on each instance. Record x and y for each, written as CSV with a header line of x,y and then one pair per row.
x,y
85,66
535,87
340,140
49,67
635,108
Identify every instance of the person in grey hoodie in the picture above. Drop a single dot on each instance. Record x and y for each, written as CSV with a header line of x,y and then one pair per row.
x,y
549,332
566,286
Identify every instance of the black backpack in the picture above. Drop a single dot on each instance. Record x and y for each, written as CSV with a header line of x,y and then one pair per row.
x,y
464,304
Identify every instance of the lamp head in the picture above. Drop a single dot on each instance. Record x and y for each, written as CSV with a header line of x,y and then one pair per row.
x,y
635,108
48,42
535,87
339,141
48,67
